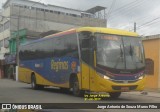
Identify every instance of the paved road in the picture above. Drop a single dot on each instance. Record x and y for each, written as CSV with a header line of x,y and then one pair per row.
x,y
17,92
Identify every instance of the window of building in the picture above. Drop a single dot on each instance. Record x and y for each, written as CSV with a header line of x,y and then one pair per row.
x,y
51,11
6,42
1,28
149,70
42,9
46,10
1,43
27,7
57,12
74,15
21,6
6,25
15,5
33,8
39,9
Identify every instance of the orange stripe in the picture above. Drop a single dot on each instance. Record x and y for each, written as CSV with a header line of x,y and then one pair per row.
x,y
62,33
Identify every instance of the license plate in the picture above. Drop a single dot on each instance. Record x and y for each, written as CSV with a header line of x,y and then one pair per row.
x,y
124,88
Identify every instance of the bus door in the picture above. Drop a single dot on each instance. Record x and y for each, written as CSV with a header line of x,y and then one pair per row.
x,y
86,60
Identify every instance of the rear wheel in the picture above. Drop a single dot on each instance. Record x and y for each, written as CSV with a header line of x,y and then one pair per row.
x,y
76,89
115,94
34,85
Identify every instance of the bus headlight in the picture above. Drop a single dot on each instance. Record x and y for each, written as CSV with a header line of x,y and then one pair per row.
x,y
106,77
141,77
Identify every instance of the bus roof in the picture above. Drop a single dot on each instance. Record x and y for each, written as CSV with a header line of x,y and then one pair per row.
x,y
90,29
107,30
95,30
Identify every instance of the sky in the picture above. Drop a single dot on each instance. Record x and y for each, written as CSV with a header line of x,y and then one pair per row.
x,y
120,14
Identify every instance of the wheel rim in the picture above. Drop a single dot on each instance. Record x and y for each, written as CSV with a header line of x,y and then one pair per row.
x,y
33,83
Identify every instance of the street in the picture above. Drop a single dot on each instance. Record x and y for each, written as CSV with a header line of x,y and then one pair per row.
x,y
17,92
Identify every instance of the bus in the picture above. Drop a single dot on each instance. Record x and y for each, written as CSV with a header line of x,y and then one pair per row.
x,y
84,59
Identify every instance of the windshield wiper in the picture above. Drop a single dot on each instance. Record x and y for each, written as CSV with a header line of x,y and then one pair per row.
x,y
120,57
131,51
131,54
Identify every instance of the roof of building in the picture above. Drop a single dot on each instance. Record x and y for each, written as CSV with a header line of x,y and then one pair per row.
x,y
95,9
150,37
45,5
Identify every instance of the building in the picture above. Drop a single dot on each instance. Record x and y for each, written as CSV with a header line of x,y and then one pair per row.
x,y
37,18
152,55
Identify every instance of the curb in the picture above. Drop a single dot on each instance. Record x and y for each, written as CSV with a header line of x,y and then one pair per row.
x,y
149,94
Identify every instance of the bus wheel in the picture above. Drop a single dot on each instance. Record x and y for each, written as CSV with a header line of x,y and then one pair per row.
x,y
114,94
76,90
33,82
34,85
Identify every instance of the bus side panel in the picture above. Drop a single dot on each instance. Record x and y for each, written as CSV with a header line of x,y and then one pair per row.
x,y
50,71
85,72
43,81
24,75
88,77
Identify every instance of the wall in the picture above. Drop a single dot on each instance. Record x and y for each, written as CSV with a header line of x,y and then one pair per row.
x,y
159,66
152,48
46,21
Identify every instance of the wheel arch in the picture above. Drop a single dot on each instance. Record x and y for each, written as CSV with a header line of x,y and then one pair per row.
x,y
31,75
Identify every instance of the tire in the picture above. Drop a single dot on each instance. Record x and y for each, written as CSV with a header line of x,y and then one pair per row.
x,y
34,85
114,95
76,90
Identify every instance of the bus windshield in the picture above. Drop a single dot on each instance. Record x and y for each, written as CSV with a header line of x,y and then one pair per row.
x,y
120,52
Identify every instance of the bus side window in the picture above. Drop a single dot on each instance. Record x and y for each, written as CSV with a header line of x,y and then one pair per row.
x,y
85,44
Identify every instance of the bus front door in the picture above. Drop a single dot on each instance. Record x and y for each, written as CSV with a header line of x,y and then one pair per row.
x,y
86,63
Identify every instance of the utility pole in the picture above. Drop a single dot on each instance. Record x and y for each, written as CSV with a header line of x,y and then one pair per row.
x,y
134,26
17,43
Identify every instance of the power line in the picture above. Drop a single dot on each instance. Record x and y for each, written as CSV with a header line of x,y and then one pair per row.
x,y
128,10
110,10
148,26
126,5
146,23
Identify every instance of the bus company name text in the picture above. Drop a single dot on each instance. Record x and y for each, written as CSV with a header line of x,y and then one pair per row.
x,y
59,65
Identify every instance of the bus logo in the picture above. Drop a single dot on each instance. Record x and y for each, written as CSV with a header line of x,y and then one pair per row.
x,y
73,66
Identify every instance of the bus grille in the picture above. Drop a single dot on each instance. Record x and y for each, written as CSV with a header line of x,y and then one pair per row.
x,y
119,87
124,81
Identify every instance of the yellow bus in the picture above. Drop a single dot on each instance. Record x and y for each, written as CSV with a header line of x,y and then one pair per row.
x,y
85,59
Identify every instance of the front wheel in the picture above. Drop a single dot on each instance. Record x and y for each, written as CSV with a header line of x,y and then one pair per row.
x,y
115,94
76,89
